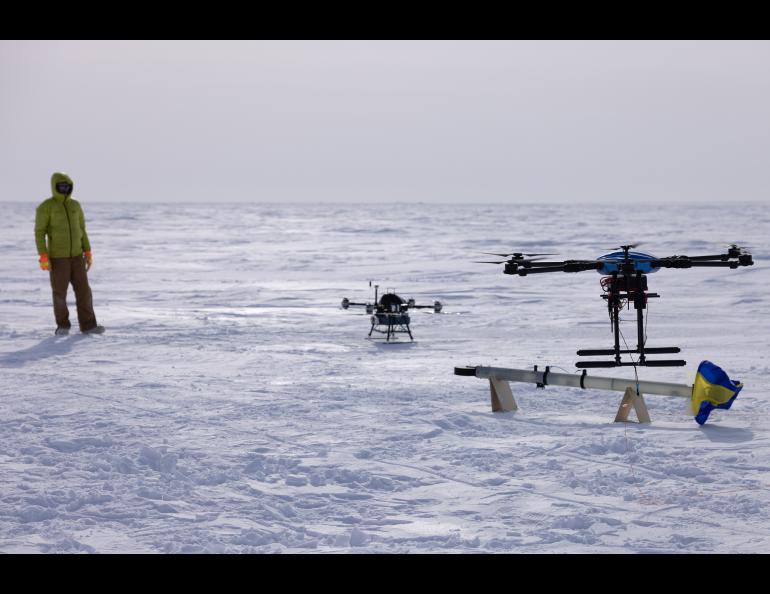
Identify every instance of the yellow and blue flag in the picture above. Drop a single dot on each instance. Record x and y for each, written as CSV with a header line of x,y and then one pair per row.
x,y
712,389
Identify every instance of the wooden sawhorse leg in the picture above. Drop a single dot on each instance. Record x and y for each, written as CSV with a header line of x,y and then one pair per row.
x,y
632,400
502,397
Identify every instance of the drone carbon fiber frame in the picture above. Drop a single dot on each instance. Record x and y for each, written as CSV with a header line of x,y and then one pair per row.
x,y
626,274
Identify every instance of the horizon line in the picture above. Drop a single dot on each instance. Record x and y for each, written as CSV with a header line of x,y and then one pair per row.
x,y
601,202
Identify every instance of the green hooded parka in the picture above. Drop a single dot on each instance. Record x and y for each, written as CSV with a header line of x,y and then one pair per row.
x,y
61,219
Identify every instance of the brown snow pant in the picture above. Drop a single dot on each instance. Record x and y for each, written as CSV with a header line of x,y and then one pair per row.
x,y
63,272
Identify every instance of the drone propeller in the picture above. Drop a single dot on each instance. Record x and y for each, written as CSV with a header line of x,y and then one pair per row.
x,y
518,260
517,255
735,246
627,247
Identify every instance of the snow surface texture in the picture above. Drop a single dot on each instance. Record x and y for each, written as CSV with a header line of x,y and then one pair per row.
x,y
233,406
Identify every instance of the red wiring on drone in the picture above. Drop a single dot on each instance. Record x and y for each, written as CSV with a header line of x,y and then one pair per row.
x,y
606,283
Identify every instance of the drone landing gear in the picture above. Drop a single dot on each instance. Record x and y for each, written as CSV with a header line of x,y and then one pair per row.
x,y
628,289
393,324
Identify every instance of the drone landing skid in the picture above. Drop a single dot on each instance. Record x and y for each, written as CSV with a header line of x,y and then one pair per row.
x,y
392,327
618,363
390,339
647,363
655,350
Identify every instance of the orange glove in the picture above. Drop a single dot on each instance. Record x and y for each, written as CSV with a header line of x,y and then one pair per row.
x,y
44,263
89,260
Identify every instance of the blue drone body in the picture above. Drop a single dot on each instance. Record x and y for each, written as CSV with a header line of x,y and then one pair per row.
x,y
611,262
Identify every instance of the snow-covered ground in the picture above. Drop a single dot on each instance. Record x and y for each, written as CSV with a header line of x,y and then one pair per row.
x,y
233,406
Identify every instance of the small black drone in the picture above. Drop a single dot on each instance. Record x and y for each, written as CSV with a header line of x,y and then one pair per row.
x,y
390,315
624,281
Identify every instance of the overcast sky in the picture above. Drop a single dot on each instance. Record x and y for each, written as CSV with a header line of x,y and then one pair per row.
x,y
455,121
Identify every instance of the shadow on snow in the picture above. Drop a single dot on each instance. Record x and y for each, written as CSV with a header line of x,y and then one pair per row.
x,y
52,345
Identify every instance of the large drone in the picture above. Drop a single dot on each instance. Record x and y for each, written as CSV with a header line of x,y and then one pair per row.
x,y
624,281
390,315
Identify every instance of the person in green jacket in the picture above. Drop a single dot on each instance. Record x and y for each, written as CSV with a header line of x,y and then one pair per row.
x,y
64,251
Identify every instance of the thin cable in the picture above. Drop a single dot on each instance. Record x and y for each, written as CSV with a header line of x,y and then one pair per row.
x,y
630,356
625,423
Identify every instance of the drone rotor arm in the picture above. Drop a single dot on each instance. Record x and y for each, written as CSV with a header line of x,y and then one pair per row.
x,y
723,257
581,265
727,264
685,262
538,262
568,266
526,271
741,256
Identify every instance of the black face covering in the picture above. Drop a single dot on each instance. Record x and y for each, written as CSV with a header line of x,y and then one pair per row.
x,y
64,187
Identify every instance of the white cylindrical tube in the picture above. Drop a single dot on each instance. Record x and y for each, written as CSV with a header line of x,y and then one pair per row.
x,y
590,381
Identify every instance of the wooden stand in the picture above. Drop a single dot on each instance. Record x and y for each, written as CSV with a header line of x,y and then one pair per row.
x,y
632,400
502,397
503,400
